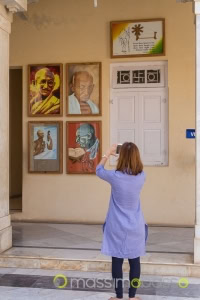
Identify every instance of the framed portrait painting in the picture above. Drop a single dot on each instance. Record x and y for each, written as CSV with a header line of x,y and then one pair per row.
x,y
137,38
83,146
83,81
45,147
45,91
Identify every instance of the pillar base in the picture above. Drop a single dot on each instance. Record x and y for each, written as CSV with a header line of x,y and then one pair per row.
x,y
197,251
5,239
197,245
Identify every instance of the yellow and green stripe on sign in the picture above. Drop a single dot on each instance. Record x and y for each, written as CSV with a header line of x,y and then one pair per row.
x,y
157,48
117,29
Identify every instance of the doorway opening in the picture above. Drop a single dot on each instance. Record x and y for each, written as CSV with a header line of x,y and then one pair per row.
x,y
15,137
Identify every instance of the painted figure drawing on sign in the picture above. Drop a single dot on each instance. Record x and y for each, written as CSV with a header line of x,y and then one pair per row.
x,y
89,146
124,40
82,87
45,143
43,100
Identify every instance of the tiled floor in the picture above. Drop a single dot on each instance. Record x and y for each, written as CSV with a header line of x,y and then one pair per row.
x,y
77,247
83,242
88,237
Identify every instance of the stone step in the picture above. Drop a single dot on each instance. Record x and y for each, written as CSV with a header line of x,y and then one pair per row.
x,y
163,264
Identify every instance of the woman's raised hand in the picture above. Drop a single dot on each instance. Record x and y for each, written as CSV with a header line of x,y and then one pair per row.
x,y
112,150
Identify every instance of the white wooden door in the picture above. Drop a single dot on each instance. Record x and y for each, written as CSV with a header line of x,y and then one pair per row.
x,y
142,118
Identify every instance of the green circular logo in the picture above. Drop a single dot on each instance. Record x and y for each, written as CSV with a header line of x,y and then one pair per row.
x,y
136,283
183,283
57,277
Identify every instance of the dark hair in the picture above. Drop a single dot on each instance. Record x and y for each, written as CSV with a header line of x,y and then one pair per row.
x,y
129,159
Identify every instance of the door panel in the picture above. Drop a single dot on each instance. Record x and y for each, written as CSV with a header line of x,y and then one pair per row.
x,y
124,118
142,118
153,127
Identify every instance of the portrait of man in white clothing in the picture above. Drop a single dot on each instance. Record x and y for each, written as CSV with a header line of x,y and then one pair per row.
x,y
83,92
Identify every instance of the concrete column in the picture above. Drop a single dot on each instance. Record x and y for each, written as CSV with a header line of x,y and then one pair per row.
x,y
5,228
6,7
197,220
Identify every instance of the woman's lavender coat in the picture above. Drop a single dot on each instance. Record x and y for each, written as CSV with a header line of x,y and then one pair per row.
x,y
125,231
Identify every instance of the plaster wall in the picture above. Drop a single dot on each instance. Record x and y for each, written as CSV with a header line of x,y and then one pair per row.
x,y
74,31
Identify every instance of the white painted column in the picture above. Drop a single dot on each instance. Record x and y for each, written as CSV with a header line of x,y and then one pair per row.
x,y
197,219
5,228
5,29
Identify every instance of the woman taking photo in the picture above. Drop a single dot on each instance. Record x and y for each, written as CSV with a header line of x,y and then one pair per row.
x,y
125,231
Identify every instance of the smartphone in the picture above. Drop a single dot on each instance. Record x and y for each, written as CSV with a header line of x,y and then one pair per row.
x,y
118,148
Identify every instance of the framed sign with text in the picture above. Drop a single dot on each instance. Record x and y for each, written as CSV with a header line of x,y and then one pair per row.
x,y
137,38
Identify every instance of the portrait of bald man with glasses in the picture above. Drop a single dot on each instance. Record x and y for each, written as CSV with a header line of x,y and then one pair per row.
x,y
84,89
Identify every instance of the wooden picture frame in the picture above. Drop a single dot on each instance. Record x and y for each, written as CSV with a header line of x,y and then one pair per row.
x,y
137,38
83,89
45,147
84,142
45,90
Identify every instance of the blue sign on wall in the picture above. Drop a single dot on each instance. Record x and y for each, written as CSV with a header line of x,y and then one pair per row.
x,y
190,133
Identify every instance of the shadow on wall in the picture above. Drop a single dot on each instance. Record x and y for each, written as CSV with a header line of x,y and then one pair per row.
x,y
40,21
